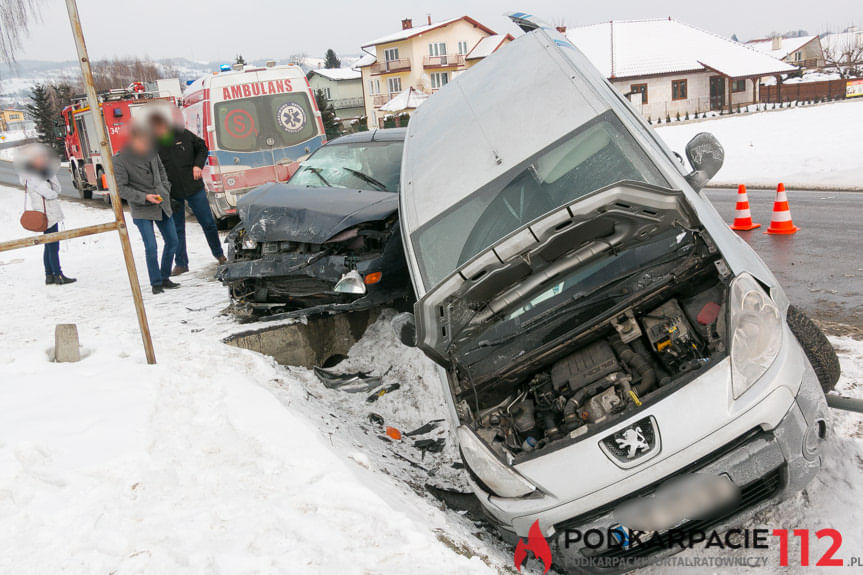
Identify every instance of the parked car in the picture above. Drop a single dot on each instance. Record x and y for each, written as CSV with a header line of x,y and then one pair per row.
x,y
601,333
327,240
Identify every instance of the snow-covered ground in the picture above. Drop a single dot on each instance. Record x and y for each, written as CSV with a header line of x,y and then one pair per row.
x,y
813,146
218,460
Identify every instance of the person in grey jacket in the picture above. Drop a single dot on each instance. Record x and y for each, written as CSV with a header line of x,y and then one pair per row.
x,y
143,183
37,172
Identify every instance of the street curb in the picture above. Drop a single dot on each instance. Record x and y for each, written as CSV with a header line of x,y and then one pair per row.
x,y
789,187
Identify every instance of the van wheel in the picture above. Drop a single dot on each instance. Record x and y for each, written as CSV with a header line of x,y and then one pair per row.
x,y
818,350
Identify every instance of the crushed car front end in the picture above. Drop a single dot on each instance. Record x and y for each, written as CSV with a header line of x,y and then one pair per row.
x,y
602,335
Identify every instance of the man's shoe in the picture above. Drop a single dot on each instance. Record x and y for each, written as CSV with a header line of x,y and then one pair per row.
x,y
178,270
61,279
49,279
168,284
222,260
157,289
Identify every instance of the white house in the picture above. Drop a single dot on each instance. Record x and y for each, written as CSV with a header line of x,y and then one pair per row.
x,y
802,51
670,68
343,87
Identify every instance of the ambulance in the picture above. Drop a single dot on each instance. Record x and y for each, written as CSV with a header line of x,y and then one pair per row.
x,y
259,124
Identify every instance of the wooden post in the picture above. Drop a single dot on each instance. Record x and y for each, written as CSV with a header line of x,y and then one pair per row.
x,y
730,94
108,163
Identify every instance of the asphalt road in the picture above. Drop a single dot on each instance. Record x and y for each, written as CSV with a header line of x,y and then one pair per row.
x,y
8,177
821,266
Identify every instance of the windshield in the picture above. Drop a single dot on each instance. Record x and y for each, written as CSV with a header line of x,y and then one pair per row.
x,y
361,165
246,125
598,154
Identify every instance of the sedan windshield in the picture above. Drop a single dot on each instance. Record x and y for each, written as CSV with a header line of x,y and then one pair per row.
x,y
362,165
598,154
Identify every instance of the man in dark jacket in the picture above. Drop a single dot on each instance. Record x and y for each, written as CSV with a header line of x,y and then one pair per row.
x,y
184,154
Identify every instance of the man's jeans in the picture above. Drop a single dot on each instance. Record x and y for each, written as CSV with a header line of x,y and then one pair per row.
x,y
51,255
169,236
201,208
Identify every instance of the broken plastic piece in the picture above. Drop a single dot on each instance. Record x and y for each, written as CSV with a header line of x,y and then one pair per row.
x,y
424,428
393,433
383,391
356,382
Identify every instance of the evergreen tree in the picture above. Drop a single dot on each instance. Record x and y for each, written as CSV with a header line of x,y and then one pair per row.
x,y
240,60
41,110
331,60
328,115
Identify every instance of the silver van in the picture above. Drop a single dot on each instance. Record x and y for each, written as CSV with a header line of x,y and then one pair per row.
x,y
615,357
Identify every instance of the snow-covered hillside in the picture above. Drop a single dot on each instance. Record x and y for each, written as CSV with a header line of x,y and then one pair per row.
x,y
813,146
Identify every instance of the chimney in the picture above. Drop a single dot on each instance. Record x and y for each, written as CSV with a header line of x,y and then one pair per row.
x,y
428,17
777,43
561,29
407,24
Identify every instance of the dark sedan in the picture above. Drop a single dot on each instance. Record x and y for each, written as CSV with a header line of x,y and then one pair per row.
x,y
327,240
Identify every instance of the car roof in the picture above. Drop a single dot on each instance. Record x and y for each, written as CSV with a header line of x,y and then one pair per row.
x,y
382,135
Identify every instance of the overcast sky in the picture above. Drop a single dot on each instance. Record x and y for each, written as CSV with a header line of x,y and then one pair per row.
x,y
217,30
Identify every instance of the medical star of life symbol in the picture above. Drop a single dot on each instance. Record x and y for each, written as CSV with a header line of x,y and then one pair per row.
x,y
291,117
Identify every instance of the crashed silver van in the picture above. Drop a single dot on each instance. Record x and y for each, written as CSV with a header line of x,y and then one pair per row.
x,y
615,357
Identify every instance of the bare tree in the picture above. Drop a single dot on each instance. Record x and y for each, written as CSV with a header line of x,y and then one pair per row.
x,y
844,54
16,16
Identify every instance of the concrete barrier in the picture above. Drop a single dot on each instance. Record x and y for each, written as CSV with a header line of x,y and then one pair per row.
x,y
66,346
307,344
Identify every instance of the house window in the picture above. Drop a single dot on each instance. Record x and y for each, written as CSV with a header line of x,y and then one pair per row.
x,y
437,49
639,89
374,86
738,86
462,47
326,92
391,54
678,90
798,56
394,85
439,80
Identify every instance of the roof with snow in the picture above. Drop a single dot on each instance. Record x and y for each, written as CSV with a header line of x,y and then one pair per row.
x,y
487,45
787,46
416,30
366,60
338,74
840,41
623,49
407,100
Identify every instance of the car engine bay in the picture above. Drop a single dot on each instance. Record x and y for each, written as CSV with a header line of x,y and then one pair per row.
x,y
644,349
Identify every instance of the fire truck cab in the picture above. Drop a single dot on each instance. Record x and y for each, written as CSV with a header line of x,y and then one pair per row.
x,y
81,139
259,124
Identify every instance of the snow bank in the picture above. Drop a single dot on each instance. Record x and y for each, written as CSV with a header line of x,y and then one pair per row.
x,y
816,146
216,460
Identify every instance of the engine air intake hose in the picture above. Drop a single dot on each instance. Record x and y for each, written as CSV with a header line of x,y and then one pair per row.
x,y
638,364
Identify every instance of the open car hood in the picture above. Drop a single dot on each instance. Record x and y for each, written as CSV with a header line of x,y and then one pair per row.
x,y
280,212
506,274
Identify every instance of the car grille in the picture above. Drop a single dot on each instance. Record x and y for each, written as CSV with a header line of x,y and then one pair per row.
x,y
755,492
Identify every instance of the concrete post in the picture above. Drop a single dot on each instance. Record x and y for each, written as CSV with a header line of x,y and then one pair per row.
x,y
66,347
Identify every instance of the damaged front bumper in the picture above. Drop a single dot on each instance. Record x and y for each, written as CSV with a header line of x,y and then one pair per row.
x,y
767,465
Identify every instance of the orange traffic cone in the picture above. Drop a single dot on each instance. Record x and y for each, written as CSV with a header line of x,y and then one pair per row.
x,y
742,215
781,222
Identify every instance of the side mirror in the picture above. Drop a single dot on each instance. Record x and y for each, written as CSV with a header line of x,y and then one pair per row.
x,y
705,155
405,327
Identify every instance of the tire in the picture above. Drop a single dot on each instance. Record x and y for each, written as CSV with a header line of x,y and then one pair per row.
x,y
816,346
80,185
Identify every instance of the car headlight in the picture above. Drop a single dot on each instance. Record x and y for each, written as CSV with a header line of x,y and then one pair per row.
x,y
497,476
249,243
755,329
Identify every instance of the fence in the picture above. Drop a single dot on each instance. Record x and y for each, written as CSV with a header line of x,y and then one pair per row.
x,y
801,91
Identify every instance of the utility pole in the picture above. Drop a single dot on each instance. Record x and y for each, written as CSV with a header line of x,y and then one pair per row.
x,y
108,163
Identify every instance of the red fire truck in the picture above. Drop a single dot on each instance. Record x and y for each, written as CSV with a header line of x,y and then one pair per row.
x,y
119,107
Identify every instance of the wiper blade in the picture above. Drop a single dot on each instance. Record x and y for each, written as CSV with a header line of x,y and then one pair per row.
x,y
381,186
317,172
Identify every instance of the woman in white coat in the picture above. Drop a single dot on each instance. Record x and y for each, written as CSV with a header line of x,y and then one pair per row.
x,y
37,172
